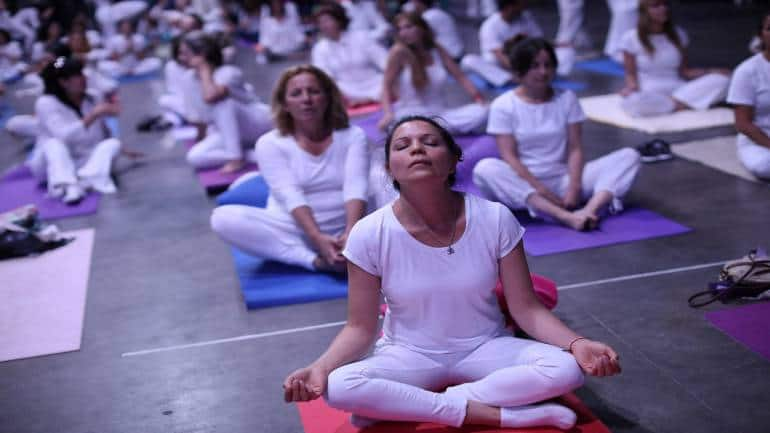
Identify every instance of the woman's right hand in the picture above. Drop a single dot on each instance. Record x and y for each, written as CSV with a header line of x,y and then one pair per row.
x,y
628,89
386,120
305,384
329,249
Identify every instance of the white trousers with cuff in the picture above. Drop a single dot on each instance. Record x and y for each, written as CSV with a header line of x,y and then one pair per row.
x,y
698,94
52,161
236,125
396,383
614,173
754,157
270,233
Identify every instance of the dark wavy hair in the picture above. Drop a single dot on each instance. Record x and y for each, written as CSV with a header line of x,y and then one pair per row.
x,y
765,16
60,69
644,25
444,133
418,66
334,10
205,45
336,116
521,52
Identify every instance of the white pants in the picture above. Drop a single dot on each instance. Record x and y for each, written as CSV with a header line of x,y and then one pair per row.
x,y
465,119
699,94
490,71
52,161
754,157
270,233
399,384
361,91
236,124
23,125
115,68
614,172
624,16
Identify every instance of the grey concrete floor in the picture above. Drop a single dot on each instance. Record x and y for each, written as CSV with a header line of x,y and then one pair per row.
x,y
160,278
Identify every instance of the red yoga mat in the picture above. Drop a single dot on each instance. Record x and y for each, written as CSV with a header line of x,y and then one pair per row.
x,y
318,417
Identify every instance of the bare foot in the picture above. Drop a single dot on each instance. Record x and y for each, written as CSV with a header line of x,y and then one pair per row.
x,y
590,220
233,166
323,266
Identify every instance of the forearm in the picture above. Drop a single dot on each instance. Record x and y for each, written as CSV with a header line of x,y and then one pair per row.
x,y
502,59
350,345
754,132
211,91
541,324
303,215
354,211
575,169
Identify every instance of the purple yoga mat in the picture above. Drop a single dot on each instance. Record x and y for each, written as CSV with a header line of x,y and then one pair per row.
x,y
19,188
545,237
749,324
212,178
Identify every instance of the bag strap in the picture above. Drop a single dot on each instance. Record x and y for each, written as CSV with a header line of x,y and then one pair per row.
x,y
715,293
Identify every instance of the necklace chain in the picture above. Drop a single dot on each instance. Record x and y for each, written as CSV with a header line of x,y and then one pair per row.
x,y
450,250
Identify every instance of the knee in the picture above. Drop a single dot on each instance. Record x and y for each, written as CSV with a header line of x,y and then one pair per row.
x,y
342,389
54,148
563,371
224,222
630,158
484,170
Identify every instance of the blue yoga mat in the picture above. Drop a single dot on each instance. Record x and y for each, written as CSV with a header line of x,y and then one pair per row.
x,y
270,284
604,66
154,75
251,192
6,112
558,83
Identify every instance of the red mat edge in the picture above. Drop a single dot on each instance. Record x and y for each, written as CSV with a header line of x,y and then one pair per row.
x,y
318,417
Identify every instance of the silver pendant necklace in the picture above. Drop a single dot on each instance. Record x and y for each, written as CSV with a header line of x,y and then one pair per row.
x,y
450,249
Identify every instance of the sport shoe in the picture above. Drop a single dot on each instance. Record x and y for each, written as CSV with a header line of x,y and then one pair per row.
x,y
73,194
655,150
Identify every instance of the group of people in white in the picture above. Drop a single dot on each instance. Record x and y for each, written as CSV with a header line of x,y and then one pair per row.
x,y
386,213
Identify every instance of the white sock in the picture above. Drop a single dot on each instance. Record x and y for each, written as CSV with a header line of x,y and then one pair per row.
x,y
546,414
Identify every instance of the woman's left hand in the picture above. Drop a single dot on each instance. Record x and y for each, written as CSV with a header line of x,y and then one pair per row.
x,y
572,198
596,358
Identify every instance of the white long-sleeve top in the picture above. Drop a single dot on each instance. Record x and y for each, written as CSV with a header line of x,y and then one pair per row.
x,y
60,121
323,182
355,62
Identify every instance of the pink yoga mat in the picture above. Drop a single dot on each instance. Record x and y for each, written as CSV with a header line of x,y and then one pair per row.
x,y
44,299
318,417
749,324
18,188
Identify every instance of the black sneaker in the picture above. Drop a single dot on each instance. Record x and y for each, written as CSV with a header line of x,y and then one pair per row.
x,y
655,150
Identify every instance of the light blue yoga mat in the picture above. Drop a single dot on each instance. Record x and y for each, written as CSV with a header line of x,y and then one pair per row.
x,y
603,66
558,83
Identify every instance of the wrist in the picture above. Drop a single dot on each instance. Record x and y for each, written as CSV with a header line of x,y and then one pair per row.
x,y
571,346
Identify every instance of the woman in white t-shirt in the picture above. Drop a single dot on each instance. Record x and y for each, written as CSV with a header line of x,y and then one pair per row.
x,y
658,79
415,76
750,94
280,30
538,132
352,58
435,255
236,118
315,164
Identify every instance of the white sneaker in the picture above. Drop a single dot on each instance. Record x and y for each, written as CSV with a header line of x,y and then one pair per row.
x,y
73,193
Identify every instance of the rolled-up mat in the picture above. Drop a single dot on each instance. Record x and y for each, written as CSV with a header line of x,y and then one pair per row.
x,y
603,66
318,417
362,109
44,299
748,324
18,188
633,224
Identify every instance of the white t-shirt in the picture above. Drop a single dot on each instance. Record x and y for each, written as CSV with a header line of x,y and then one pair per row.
x,y
540,130
658,71
354,57
438,303
237,88
495,31
62,122
750,85
323,182
364,16
443,26
281,36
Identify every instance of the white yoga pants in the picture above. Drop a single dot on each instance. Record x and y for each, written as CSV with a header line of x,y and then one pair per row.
x,y
236,125
614,172
754,157
23,125
53,161
399,384
698,94
270,233
115,68
624,15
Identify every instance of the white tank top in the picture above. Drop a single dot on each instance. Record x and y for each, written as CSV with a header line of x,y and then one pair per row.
x,y
428,100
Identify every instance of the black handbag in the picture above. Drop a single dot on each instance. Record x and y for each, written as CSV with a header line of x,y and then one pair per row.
x,y
23,234
747,277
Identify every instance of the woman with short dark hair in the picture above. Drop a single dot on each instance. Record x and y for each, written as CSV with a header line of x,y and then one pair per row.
x,y
445,355
315,164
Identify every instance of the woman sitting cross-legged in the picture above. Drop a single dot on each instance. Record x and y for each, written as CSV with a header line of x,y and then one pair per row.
x,y
416,74
445,355
315,164
658,79
538,132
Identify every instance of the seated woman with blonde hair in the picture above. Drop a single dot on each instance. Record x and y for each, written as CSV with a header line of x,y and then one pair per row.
x,y
315,164
445,355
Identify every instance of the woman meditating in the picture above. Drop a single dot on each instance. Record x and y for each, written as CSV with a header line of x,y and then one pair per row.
x,y
415,78
750,95
316,166
658,79
538,132
444,355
